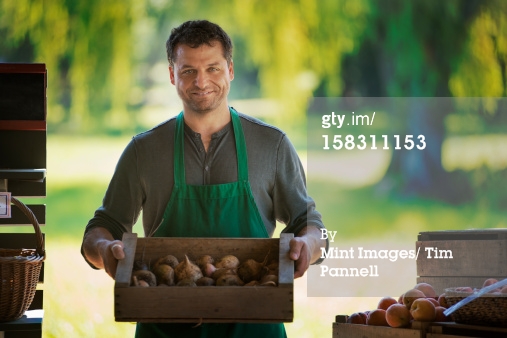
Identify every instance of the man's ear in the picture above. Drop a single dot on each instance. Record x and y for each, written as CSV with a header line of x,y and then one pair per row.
x,y
171,74
231,70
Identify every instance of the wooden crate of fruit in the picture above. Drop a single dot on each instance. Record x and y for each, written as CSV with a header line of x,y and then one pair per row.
x,y
344,329
476,256
260,298
409,315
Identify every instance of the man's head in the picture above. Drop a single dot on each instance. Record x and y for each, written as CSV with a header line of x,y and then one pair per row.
x,y
197,33
201,66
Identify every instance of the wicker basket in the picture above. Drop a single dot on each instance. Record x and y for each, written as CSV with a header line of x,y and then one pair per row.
x,y
19,272
489,309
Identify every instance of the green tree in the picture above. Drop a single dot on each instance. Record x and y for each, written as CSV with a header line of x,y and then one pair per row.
x,y
87,48
430,49
94,49
481,70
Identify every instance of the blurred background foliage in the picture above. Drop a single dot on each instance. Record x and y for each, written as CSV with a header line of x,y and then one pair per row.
x,y
107,68
105,57
107,76
102,56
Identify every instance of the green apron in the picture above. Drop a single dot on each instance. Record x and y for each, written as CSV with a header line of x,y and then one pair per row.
x,y
222,210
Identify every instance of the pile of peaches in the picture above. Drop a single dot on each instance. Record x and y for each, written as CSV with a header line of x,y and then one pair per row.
x,y
420,303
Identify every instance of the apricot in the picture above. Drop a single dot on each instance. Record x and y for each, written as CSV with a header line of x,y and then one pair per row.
x,y
397,315
434,301
427,289
423,310
357,318
410,296
440,316
377,318
442,301
489,282
385,302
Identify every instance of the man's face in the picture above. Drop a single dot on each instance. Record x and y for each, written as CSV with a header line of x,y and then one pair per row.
x,y
202,77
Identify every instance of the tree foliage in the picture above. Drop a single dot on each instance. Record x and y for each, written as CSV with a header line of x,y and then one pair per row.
x,y
99,53
90,47
86,46
481,70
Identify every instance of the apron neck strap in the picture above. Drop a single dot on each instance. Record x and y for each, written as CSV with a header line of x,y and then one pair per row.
x,y
179,155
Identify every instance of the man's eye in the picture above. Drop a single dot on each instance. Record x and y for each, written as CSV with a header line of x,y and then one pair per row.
x,y
188,71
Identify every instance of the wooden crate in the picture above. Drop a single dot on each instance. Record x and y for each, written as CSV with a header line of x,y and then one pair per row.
x,y
452,330
342,329
477,255
218,304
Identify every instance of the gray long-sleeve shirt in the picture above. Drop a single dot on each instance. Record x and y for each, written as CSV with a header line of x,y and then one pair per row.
x,y
144,177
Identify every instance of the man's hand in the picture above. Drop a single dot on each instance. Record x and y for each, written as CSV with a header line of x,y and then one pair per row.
x,y
305,249
111,252
102,250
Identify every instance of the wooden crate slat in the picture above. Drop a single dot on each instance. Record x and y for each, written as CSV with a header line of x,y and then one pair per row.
x,y
19,218
156,247
23,149
124,269
341,330
23,327
470,258
441,335
470,234
445,330
286,265
168,304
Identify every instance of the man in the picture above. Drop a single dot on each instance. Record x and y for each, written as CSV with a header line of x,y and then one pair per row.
x,y
208,150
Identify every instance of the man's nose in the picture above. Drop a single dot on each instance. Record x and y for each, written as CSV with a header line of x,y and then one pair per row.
x,y
201,79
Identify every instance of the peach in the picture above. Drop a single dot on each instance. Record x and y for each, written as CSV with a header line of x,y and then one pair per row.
x,y
410,296
397,315
427,289
385,302
434,301
442,301
357,318
440,316
377,318
489,282
423,310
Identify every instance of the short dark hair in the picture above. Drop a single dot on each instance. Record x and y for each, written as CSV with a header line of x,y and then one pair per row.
x,y
196,33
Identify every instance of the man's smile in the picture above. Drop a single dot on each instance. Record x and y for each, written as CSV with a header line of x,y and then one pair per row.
x,y
202,93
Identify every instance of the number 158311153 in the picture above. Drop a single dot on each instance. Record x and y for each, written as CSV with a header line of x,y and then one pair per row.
x,y
373,142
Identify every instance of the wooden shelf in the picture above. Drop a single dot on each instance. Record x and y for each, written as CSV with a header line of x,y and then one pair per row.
x,y
23,174
28,326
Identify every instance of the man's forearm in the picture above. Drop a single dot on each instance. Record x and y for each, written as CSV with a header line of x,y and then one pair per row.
x,y
93,243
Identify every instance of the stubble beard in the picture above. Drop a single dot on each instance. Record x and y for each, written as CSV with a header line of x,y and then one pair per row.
x,y
204,106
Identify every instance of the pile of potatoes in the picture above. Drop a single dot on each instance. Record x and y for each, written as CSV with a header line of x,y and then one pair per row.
x,y
228,271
